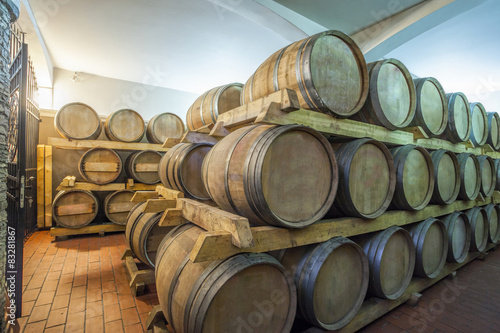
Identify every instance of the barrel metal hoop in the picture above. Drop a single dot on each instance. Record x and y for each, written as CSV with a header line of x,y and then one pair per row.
x,y
201,107
251,88
298,76
185,153
169,239
155,220
170,155
214,103
276,67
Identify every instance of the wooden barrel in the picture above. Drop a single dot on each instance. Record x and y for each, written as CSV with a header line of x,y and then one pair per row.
x,y
479,132
180,169
493,213
391,97
144,235
488,175
243,293
265,173
206,109
493,130
391,257
100,166
163,126
142,166
74,208
459,236
459,118
327,70
124,125
431,243
328,297
432,107
117,206
414,177
367,179
497,170
77,121
479,224
447,177
470,176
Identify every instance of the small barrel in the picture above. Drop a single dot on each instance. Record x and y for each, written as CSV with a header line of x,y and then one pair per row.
x,y
276,175
328,297
238,294
391,98
431,243
459,118
479,224
414,177
493,130
459,236
432,107
391,257
100,166
180,169
493,213
117,206
488,175
74,208
327,70
142,166
163,126
470,176
144,235
479,132
447,177
78,121
124,125
206,109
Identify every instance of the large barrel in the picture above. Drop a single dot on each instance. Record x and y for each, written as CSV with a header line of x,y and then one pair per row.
x,y
276,175
328,297
74,208
391,257
493,213
488,175
117,206
243,293
77,121
414,177
206,109
180,169
431,243
163,126
391,97
459,118
367,179
479,132
493,130
470,176
100,166
142,166
144,235
459,236
124,125
447,177
479,225
327,70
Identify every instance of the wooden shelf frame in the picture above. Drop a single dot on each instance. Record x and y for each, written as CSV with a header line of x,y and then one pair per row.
x,y
89,229
89,144
138,278
107,187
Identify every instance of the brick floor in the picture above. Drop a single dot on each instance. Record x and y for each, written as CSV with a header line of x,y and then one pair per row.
x,y
79,285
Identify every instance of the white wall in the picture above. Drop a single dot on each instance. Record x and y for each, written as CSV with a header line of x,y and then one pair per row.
x,y
107,95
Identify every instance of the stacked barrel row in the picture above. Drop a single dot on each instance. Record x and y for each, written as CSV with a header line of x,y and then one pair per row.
x,y
292,176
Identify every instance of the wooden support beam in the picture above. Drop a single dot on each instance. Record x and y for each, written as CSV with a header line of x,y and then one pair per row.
x,y
435,143
172,218
170,142
92,187
168,193
417,131
205,129
87,144
90,229
48,186
140,187
195,137
40,186
141,196
158,205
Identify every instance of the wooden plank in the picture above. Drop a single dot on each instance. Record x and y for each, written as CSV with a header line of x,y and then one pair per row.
x,y
493,154
141,187
170,142
77,209
120,207
146,167
205,129
168,193
195,137
332,126
93,187
172,218
90,229
435,143
48,186
158,205
417,131
69,181
40,186
141,196
100,167
218,244
215,219
86,144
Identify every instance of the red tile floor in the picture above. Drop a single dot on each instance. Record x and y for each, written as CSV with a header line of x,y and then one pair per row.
x,y
79,285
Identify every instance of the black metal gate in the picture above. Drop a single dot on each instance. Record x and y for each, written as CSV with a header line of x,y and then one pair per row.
x,y
22,143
